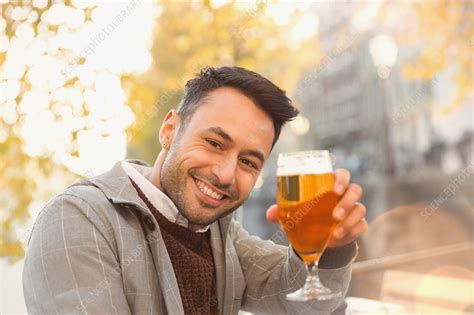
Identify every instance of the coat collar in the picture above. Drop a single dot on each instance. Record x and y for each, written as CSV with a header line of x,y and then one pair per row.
x,y
118,189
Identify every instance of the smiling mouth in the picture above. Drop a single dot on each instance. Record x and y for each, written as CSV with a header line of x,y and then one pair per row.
x,y
208,191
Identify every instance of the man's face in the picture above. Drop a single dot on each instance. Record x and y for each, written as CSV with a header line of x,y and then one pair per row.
x,y
214,162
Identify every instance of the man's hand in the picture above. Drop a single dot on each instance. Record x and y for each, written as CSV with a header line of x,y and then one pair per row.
x,y
349,212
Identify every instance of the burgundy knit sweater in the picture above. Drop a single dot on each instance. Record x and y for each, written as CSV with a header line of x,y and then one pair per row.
x,y
191,255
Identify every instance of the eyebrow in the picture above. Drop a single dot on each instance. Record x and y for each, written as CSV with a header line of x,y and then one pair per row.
x,y
218,130
256,154
221,133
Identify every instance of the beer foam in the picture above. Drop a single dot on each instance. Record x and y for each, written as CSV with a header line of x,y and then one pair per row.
x,y
304,163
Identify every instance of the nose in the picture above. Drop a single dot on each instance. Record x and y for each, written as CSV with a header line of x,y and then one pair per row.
x,y
225,170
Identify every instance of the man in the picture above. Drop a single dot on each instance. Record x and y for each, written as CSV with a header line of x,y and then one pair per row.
x,y
162,239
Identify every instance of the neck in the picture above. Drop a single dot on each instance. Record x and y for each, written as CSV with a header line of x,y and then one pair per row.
x,y
194,227
154,175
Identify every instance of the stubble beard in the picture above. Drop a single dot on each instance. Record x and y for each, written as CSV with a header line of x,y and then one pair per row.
x,y
173,182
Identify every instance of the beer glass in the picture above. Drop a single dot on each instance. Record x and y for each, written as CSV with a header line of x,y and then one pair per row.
x,y
306,200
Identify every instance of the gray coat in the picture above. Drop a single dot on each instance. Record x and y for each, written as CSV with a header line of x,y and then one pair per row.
x,y
96,248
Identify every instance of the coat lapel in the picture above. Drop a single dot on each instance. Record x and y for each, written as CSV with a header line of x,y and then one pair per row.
x,y
229,276
164,269
117,187
219,263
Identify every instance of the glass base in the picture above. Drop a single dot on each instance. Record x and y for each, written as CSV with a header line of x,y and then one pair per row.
x,y
308,294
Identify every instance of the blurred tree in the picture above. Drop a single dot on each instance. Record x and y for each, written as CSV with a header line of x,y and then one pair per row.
x,y
62,109
442,32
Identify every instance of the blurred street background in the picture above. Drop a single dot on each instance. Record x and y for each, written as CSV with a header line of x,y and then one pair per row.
x,y
387,86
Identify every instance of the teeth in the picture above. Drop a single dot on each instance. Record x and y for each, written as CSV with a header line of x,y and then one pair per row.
x,y
208,190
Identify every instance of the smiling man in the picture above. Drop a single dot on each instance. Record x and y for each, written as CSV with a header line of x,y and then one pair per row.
x,y
157,240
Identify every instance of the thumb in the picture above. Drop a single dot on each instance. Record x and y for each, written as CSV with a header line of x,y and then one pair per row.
x,y
272,213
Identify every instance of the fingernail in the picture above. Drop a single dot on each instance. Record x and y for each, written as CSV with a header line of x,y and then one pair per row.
x,y
339,213
339,232
339,189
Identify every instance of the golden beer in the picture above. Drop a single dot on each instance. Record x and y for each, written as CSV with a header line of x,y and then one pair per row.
x,y
306,203
306,200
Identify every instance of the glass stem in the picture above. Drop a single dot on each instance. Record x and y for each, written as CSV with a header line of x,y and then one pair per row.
x,y
312,281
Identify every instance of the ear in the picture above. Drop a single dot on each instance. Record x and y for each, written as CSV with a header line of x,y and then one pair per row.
x,y
169,128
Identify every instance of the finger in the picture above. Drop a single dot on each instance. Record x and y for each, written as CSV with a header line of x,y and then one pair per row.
x,y
343,177
272,213
351,196
349,223
361,227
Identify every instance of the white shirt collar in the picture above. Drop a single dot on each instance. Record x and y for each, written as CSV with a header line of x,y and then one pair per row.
x,y
157,198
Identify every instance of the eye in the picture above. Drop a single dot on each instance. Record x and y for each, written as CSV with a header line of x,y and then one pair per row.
x,y
249,163
215,144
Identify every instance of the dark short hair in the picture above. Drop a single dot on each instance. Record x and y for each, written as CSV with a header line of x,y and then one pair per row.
x,y
266,95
